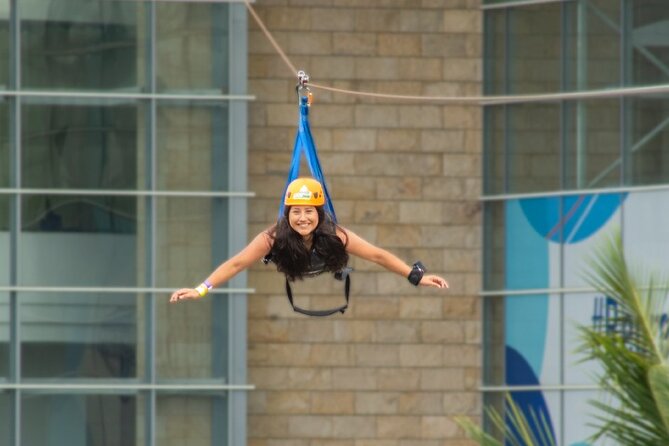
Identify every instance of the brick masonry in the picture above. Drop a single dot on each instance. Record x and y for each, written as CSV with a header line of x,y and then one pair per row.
x,y
402,363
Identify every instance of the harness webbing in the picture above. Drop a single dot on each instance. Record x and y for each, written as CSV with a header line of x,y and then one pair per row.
x,y
304,144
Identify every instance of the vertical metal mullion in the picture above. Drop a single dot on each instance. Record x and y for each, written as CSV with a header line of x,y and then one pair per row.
x,y
237,168
15,223
150,224
626,164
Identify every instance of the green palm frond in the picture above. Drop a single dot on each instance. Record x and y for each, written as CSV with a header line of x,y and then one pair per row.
x,y
633,361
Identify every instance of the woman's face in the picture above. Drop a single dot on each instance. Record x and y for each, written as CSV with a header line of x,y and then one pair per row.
x,y
303,219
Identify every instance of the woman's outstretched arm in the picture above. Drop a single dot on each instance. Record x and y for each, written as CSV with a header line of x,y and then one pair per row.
x,y
358,246
254,251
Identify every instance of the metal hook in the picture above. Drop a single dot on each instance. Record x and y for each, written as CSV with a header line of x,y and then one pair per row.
x,y
302,89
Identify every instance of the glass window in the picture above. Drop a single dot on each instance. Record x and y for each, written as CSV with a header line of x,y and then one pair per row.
x,y
494,341
586,219
72,240
649,42
592,144
584,310
4,239
534,147
192,47
82,45
580,417
5,418
80,144
494,245
188,419
647,150
534,35
76,419
592,56
79,335
4,142
646,238
4,47
191,336
192,141
495,149
4,343
496,51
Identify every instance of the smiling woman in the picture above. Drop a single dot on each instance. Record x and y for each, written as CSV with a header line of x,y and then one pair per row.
x,y
305,241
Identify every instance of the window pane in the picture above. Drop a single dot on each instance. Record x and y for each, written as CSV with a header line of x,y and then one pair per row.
x,y
495,149
79,335
192,146
191,420
79,241
494,245
192,47
496,55
191,337
587,311
584,220
4,239
4,142
81,44
5,418
579,419
4,49
646,230
81,144
593,144
4,342
647,150
534,147
494,349
534,35
91,420
650,42
593,45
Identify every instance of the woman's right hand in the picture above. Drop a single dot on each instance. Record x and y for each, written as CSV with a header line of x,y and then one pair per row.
x,y
184,294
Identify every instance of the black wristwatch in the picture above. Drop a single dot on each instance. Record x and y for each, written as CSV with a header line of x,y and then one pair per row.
x,y
416,273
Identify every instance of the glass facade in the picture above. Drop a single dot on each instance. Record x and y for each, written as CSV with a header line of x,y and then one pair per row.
x,y
559,175
117,171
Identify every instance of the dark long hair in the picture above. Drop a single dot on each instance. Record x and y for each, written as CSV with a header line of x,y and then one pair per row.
x,y
292,257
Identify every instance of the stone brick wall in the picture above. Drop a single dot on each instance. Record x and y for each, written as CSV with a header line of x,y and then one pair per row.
x,y
402,362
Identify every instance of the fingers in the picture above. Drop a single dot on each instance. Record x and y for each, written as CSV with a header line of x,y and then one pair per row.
x,y
183,293
434,281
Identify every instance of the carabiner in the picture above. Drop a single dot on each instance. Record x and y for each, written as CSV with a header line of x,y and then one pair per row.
x,y
302,89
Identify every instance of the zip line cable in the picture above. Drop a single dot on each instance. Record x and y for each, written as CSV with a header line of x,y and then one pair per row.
x,y
475,100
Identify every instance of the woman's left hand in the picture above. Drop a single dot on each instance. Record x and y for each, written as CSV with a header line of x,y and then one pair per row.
x,y
433,281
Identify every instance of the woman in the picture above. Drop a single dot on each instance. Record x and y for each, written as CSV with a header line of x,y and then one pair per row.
x,y
306,241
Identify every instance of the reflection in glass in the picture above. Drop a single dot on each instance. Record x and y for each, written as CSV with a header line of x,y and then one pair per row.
x,y
5,418
647,151
190,420
494,245
91,420
594,37
585,219
4,143
496,51
79,335
588,311
192,47
494,341
4,239
192,145
81,44
495,149
190,338
80,145
534,147
534,34
4,48
593,144
579,419
4,340
646,239
649,42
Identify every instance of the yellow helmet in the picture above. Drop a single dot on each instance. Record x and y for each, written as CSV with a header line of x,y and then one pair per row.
x,y
304,192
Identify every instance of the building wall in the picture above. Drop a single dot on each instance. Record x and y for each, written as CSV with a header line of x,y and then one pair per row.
x,y
402,362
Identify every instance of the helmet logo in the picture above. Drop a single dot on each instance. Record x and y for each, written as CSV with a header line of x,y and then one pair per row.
x,y
303,194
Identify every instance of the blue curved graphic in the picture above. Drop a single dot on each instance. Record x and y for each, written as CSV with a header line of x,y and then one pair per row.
x,y
532,402
570,219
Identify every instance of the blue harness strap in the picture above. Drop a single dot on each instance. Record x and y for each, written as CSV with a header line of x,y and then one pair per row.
x,y
304,144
